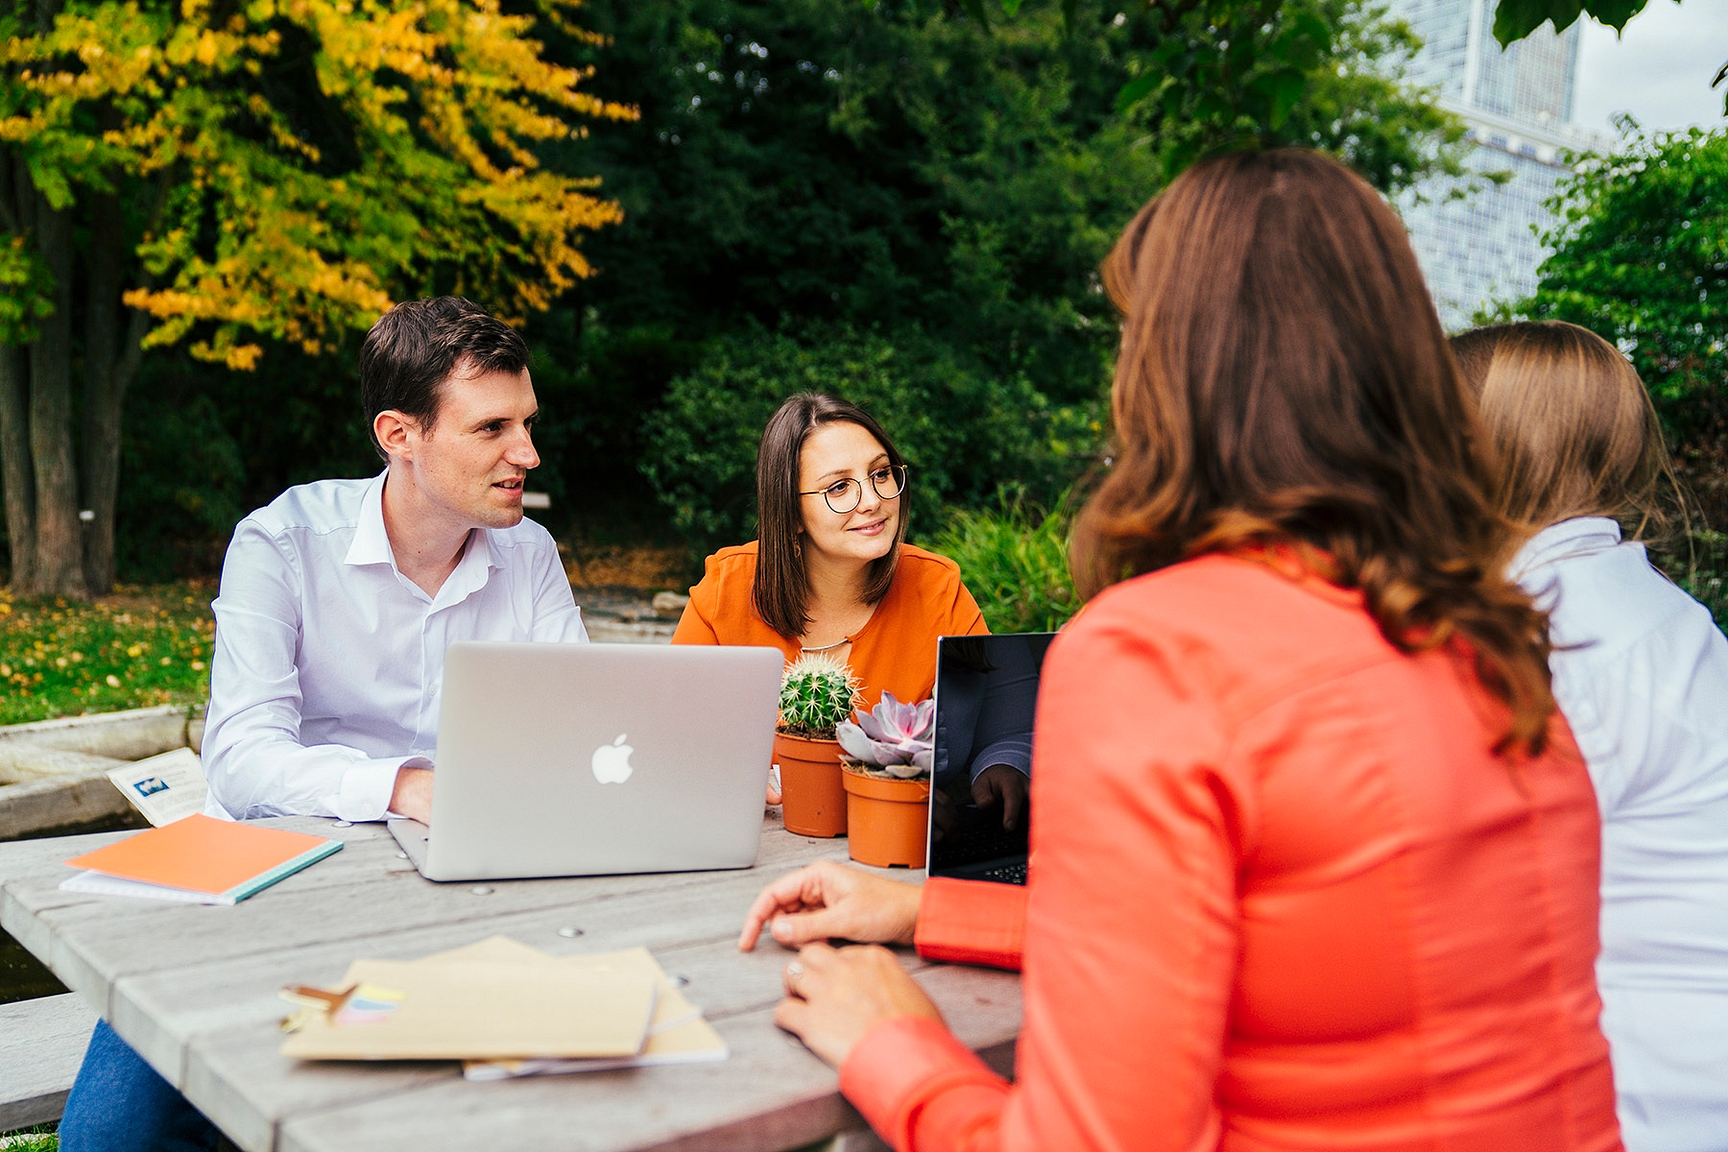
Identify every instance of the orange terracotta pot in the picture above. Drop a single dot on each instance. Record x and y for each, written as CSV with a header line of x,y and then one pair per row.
x,y
814,802
888,821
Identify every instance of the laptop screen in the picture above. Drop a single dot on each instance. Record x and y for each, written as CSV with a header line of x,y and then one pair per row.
x,y
980,812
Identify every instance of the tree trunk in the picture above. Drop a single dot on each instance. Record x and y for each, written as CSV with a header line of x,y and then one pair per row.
x,y
59,546
111,358
15,469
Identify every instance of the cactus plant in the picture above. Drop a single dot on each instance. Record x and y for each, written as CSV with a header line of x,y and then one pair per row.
x,y
817,693
897,738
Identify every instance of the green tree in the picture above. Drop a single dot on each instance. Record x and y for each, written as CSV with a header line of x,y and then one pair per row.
x,y
902,170
238,173
1640,256
1516,19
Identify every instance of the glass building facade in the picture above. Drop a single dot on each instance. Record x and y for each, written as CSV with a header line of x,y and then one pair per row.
x,y
1479,242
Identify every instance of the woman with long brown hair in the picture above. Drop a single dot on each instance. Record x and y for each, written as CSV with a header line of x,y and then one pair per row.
x,y
830,570
1641,673
1315,861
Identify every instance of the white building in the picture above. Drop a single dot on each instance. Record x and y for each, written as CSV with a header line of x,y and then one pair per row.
x,y
1482,247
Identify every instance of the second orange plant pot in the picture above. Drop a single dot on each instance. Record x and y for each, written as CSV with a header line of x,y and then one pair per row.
x,y
889,820
810,789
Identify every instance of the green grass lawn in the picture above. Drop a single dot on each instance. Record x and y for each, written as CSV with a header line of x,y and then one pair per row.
x,y
137,648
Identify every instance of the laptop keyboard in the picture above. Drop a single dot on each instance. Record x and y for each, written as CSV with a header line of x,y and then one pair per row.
x,y
1007,874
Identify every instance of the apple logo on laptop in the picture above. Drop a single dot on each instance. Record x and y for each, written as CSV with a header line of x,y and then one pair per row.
x,y
612,761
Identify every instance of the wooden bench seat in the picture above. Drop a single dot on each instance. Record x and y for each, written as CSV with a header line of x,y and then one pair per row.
x,y
41,1045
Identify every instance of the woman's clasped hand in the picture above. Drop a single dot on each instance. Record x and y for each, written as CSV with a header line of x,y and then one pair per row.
x,y
834,996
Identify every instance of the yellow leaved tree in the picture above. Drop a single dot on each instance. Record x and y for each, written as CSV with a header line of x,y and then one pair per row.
x,y
228,173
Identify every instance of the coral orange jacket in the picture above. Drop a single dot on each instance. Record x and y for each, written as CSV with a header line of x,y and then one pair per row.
x,y
1282,896
895,651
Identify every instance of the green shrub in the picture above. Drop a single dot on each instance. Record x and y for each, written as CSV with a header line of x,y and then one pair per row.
x,y
1014,558
964,432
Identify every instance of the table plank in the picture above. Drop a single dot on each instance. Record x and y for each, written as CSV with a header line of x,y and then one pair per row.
x,y
363,891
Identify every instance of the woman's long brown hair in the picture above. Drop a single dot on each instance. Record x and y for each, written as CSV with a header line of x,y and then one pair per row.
x,y
1284,380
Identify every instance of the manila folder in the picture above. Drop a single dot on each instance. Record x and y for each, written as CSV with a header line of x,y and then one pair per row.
x,y
481,1011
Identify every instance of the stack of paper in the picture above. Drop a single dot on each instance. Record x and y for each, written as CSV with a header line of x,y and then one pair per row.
x,y
199,860
506,1010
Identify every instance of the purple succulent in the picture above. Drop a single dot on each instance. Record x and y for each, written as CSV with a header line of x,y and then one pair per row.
x,y
898,738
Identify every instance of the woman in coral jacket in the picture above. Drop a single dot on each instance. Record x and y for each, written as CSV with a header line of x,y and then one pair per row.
x,y
1315,859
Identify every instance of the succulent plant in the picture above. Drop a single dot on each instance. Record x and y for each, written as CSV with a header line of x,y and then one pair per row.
x,y
898,738
817,693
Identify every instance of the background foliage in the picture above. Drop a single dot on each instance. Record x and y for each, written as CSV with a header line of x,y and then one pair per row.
x,y
889,199
1015,560
837,173
1641,258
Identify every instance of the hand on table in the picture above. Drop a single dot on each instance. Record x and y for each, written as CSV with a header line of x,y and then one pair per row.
x,y
412,796
1001,784
834,996
824,901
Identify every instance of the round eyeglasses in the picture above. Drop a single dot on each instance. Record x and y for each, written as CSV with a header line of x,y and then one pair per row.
x,y
844,496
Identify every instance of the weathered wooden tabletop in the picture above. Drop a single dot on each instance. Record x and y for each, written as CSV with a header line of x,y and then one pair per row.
x,y
194,990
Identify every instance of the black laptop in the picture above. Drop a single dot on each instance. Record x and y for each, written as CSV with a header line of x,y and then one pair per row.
x,y
986,697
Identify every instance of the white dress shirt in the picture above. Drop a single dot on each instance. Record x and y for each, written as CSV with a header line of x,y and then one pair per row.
x,y
1641,674
329,663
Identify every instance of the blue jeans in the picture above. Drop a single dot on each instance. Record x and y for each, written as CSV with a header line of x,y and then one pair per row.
x,y
120,1104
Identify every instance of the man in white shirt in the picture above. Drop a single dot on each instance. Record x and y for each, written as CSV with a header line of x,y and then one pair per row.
x,y
337,602
339,598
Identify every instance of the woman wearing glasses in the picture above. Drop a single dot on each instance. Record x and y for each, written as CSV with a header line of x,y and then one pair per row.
x,y
830,571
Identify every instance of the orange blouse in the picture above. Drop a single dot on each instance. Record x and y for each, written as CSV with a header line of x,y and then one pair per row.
x,y
895,651
1282,896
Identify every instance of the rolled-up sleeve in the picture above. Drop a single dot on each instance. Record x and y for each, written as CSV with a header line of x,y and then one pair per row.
x,y
252,755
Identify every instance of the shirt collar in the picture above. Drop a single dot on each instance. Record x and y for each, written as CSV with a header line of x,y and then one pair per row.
x,y
478,561
371,544
1579,536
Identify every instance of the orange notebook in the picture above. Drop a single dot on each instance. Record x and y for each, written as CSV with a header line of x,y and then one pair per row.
x,y
198,859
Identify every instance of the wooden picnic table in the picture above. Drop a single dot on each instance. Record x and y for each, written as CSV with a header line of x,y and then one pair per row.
x,y
194,989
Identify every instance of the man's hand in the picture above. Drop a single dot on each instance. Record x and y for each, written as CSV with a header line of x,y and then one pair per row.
x,y
1004,785
835,996
824,901
412,796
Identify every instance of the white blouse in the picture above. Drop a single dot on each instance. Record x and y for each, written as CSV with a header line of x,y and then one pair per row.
x,y
1641,674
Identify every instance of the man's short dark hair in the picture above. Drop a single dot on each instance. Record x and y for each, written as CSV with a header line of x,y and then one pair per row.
x,y
418,344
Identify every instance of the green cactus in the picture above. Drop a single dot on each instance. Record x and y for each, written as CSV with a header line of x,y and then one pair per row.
x,y
817,693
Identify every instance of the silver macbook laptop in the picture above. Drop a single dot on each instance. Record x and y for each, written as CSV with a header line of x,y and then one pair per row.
x,y
590,759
